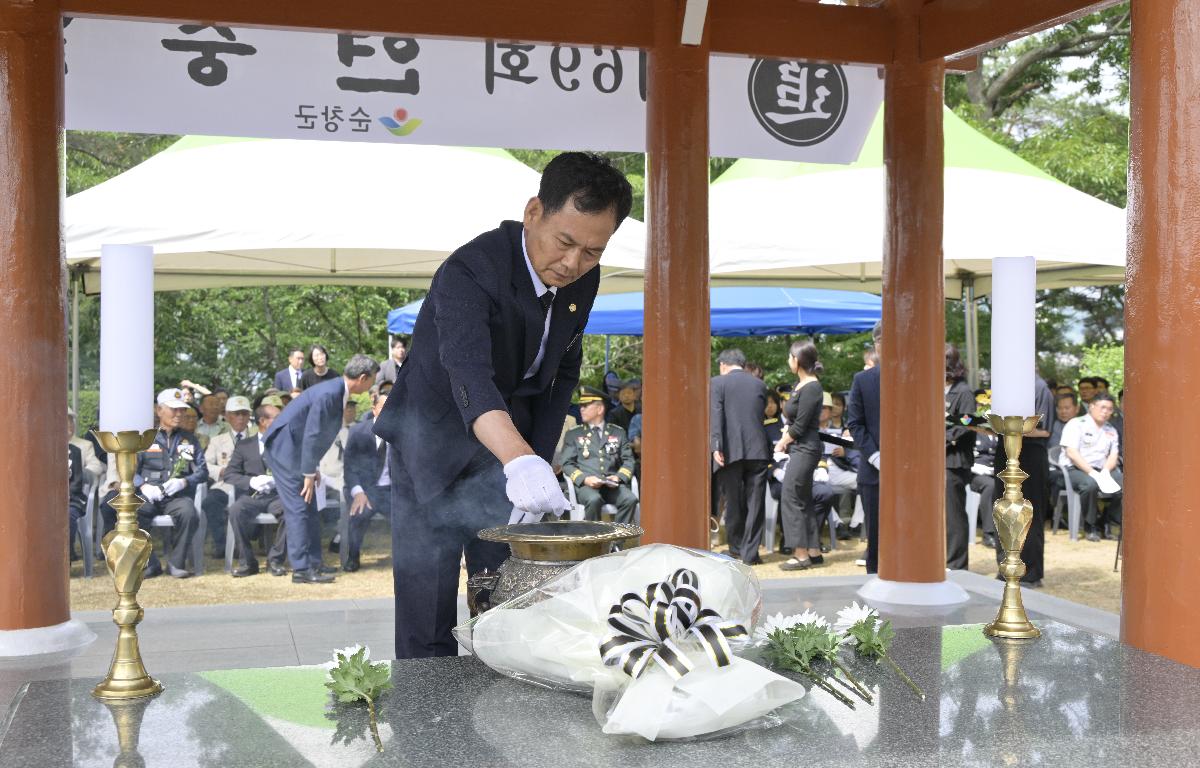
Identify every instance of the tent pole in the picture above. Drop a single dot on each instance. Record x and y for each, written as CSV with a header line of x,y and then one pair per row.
x,y
970,333
75,280
607,351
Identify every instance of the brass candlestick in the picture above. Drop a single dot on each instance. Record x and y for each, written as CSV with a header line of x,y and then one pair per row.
x,y
126,551
1013,515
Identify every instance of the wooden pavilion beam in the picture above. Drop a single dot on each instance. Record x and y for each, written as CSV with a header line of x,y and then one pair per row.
x,y
625,23
951,28
760,28
788,29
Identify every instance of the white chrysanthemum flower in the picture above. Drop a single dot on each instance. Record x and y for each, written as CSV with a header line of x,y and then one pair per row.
x,y
773,624
853,614
812,617
347,652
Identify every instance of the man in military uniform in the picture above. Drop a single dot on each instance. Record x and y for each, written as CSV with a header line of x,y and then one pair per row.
x,y
167,475
598,459
1091,446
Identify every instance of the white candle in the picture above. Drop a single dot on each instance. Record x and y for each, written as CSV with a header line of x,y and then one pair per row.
x,y
1013,352
126,338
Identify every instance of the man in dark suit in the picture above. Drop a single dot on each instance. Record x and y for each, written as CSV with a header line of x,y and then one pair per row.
x,y
76,498
738,403
479,404
863,421
288,379
297,440
368,483
390,367
254,486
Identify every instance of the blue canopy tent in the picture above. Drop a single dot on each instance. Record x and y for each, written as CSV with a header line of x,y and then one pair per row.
x,y
734,312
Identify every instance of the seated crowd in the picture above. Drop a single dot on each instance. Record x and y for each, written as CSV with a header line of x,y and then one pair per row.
x,y
798,456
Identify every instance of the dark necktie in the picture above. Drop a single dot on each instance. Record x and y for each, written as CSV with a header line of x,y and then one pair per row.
x,y
546,299
599,433
237,438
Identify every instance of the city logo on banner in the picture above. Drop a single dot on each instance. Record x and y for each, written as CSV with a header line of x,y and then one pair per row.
x,y
797,102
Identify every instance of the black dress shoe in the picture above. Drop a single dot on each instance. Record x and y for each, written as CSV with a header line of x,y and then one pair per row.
x,y
817,560
311,576
786,550
152,570
351,565
756,561
276,569
335,545
843,533
245,570
989,540
824,547
322,568
1093,536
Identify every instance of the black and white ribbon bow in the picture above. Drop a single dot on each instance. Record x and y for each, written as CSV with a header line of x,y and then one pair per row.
x,y
651,626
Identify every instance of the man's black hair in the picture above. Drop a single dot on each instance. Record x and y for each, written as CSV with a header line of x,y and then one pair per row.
x,y
1101,397
1100,380
1066,396
589,181
732,357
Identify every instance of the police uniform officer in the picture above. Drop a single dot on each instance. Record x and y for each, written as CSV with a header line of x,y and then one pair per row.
x,y
597,459
167,475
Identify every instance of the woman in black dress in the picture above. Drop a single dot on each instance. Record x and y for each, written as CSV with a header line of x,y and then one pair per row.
x,y
320,371
802,444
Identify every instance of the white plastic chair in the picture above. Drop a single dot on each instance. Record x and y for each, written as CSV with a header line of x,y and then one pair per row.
x,y
1063,496
165,521
576,512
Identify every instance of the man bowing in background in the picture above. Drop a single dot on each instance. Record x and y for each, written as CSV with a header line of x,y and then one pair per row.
x,y
294,445
478,407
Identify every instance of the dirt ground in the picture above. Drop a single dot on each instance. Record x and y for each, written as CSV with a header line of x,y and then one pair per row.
x,y
1080,571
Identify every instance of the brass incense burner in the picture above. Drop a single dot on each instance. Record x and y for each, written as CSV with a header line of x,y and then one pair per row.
x,y
541,551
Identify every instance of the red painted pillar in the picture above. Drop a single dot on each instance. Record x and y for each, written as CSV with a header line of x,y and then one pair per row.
x,y
912,525
1162,313
33,368
675,455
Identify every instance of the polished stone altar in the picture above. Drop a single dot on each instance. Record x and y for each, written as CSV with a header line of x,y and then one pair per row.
x,y
1069,698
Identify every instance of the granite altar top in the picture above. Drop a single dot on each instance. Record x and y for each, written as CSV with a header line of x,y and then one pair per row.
x,y
1069,698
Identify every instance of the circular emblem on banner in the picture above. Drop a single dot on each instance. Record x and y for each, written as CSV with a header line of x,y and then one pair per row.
x,y
798,102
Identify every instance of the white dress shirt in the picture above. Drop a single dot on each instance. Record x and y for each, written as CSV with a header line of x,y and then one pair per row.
x,y
539,289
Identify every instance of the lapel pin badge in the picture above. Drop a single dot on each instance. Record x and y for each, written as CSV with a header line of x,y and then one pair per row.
x,y
571,308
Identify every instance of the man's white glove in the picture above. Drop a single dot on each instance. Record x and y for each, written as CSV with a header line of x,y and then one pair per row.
x,y
151,493
533,489
261,483
821,475
874,460
174,486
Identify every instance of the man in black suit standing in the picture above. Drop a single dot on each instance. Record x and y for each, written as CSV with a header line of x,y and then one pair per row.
x,y
863,421
367,480
738,402
478,407
255,489
288,380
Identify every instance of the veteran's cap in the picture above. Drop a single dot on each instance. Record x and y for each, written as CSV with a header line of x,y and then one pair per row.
x,y
590,395
172,398
237,403
274,400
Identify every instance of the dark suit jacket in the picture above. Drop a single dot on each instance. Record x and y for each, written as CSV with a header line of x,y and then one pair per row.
x,y
475,337
363,462
75,495
863,421
245,463
305,429
283,379
738,401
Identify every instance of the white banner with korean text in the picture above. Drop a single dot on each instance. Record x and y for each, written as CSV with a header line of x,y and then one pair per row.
x,y
233,81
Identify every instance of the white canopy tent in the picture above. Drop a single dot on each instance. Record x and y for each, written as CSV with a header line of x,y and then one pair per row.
x,y
807,224
238,212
